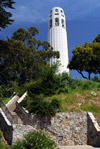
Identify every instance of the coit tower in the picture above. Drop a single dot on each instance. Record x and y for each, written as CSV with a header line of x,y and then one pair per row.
x,y
57,37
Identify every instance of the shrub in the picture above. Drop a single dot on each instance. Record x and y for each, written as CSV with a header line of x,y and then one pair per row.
x,y
20,90
35,140
62,90
65,79
75,84
56,103
83,84
96,79
9,89
39,106
6,90
86,85
34,87
49,83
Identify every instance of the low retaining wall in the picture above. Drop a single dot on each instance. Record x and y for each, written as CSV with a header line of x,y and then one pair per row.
x,y
67,128
6,127
11,105
23,115
37,121
74,129
93,131
12,133
12,118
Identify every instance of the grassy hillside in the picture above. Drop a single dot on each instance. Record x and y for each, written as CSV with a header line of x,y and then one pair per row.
x,y
71,95
77,97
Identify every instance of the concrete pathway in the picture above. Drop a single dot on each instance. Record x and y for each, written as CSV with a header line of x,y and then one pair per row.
x,y
78,147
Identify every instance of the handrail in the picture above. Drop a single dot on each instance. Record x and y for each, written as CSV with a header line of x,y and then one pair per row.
x,y
22,97
21,108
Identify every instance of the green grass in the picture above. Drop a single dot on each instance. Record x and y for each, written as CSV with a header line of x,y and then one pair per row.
x,y
4,99
90,107
4,146
78,97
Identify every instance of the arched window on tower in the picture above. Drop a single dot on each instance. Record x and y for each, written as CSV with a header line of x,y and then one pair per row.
x,y
50,23
56,10
61,11
62,22
56,21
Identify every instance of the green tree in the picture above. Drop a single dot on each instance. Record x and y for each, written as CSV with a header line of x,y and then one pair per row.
x,y
96,50
22,57
5,16
97,38
86,58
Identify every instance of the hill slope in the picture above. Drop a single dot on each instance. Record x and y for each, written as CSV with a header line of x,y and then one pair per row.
x,y
77,97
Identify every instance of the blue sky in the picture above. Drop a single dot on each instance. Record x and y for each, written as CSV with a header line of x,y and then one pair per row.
x,y
82,19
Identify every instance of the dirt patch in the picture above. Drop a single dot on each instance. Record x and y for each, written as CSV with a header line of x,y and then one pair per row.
x,y
96,100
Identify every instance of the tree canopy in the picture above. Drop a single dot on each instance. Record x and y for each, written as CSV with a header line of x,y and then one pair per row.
x,y
97,38
86,58
22,57
5,16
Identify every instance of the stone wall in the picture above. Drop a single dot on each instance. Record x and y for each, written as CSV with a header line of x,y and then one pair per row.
x,y
66,128
74,129
69,128
19,131
6,127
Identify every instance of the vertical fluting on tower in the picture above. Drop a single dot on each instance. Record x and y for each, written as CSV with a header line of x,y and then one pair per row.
x,y
57,37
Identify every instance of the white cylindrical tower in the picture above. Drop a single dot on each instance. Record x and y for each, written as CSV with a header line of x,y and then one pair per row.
x,y
57,37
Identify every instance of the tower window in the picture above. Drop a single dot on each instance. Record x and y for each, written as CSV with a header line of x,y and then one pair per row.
x,y
62,22
50,12
56,10
56,13
61,11
50,23
56,22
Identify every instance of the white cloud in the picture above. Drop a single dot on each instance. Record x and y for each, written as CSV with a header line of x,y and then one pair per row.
x,y
37,10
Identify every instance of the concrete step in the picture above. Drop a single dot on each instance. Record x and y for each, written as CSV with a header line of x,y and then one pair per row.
x,y
19,121
13,113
